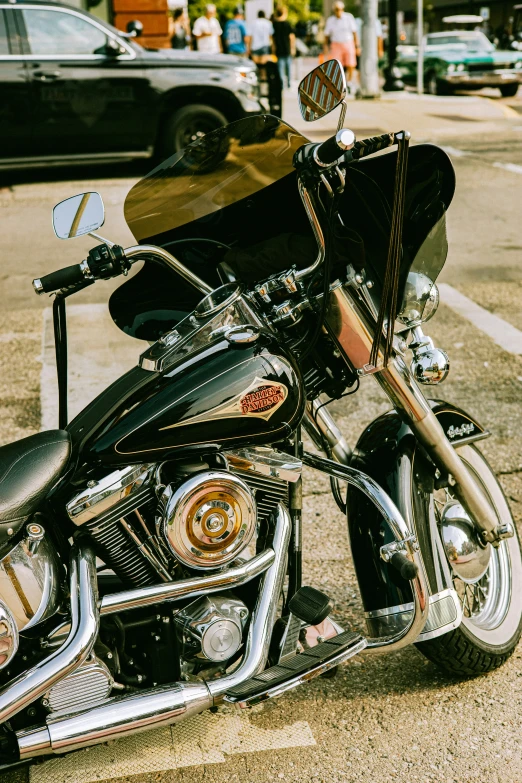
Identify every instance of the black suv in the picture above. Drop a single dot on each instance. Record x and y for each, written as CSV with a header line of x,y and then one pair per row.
x,y
73,87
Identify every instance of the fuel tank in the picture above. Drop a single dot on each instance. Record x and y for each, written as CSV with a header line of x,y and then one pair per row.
x,y
222,396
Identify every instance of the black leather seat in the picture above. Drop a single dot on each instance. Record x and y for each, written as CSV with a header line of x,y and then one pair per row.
x,y
28,469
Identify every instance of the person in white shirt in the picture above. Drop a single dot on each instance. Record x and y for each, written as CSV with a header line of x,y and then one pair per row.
x,y
207,31
341,39
261,31
378,32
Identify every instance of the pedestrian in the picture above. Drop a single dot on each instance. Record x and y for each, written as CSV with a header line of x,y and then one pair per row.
x,y
236,36
341,39
378,33
179,29
284,43
261,32
207,31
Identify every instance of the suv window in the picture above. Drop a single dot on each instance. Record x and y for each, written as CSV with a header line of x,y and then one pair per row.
x,y
4,45
55,32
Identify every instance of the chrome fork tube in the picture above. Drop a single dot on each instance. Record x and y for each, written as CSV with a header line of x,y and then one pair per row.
x,y
33,683
353,330
398,383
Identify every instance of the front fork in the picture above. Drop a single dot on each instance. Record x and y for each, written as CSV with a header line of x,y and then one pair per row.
x,y
350,326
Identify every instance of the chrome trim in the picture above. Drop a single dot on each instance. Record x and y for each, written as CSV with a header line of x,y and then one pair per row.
x,y
265,461
38,287
390,610
105,493
168,704
138,251
318,232
400,532
30,580
9,638
188,588
317,418
34,682
213,303
470,439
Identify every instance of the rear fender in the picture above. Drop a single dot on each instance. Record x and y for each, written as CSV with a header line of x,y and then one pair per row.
x,y
389,452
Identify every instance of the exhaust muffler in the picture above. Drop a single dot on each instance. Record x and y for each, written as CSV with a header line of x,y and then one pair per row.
x,y
162,706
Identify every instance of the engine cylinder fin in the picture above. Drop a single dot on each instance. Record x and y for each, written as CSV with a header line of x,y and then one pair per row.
x,y
116,548
269,492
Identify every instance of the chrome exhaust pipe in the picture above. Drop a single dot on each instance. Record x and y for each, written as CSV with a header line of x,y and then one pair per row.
x,y
125,715
32,684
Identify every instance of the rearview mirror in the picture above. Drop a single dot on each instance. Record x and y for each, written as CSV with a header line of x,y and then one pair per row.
x,y
322,90
78,215
134,28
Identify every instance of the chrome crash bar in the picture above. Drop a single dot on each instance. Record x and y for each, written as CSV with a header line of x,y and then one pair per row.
x,y
402,535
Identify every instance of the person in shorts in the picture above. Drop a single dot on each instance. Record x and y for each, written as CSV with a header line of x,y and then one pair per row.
x,y
341,39
261,31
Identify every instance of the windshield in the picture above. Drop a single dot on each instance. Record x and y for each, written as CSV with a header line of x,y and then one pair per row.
x,y
474,41
225,166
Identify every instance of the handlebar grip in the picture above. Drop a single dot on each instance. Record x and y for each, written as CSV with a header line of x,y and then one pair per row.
x,y
404,565
62,278
329,151
372,145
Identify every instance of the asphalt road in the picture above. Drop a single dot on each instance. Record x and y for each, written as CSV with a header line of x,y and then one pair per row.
x,y
382,718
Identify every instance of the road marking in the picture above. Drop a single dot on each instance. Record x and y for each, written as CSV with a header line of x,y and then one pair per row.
x,y
509,111
501,332
455,153
203,739
99,353
513,167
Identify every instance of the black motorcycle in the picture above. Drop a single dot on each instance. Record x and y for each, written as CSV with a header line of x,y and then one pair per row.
x,y
150,549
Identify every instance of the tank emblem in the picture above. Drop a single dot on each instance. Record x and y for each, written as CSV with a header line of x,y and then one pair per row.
x,y
263,399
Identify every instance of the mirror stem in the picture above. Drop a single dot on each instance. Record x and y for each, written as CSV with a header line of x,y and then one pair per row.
x,y
342,115
101,239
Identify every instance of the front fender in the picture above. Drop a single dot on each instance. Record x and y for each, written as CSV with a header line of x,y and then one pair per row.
x,y
389,452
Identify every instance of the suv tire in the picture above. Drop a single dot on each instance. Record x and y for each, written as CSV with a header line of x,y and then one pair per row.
x,y
188,124
509,90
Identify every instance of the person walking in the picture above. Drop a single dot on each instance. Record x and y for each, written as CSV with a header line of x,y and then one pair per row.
x,y
207,31
179,29
236,36
284,44
261,32
341,39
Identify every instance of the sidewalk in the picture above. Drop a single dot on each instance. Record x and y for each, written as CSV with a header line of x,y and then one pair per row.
x,y
427,117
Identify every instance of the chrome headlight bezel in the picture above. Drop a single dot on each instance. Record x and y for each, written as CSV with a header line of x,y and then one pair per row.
x,y
420,302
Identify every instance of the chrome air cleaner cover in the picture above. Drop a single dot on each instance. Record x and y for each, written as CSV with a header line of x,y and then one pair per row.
x,y
209,519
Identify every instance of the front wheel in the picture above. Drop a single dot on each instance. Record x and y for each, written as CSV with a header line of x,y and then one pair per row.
x,y
492,604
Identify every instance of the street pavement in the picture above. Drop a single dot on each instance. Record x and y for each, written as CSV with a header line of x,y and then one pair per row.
x,y
390,718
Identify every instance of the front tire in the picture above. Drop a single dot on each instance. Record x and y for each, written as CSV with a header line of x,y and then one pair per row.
x,y
189,124
492,607
435,86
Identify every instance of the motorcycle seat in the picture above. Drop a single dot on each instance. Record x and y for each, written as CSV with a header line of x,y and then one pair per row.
x,y
28,469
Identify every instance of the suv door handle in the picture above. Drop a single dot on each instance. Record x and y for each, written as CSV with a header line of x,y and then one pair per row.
x,y
46,76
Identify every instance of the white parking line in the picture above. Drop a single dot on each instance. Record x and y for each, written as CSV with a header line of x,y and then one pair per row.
x,y
453,152
204,739
513,167
501,332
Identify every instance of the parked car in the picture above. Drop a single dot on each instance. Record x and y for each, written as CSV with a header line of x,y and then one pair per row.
x,y
75,88
462,60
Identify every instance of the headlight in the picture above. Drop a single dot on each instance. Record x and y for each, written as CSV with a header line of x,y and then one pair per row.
x,y
461,67
421,300
246,74
518,64
451,67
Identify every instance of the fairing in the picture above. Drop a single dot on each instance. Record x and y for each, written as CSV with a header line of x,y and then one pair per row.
x,y
233,196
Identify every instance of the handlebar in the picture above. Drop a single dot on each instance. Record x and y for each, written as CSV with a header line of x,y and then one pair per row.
x,y
343,145
104,262
62,278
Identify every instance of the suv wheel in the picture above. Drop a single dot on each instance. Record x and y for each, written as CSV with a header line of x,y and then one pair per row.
x,y
509,90
189,124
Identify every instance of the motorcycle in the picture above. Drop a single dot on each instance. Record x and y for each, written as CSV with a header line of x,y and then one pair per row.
x,y
151,548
